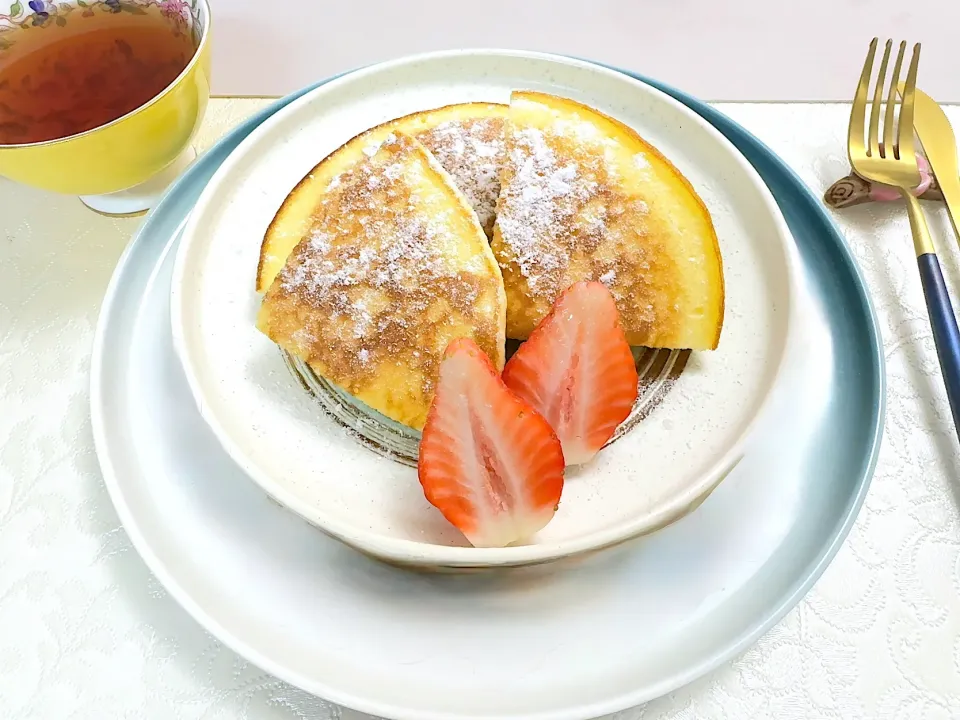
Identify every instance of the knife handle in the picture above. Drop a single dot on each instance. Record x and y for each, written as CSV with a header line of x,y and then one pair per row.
x,y
946,335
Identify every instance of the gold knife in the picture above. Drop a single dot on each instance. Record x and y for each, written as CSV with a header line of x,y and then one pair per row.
x,y
940,147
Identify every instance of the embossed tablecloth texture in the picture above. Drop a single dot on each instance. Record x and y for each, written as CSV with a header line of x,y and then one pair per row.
x,y
86,633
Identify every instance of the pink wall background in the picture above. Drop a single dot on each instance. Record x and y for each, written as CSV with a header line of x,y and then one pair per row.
x,y
736,50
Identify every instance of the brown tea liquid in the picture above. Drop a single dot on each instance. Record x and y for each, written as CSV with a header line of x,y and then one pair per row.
x,y
60,80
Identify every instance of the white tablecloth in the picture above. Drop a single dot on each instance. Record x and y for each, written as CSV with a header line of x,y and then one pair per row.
x,y
86,633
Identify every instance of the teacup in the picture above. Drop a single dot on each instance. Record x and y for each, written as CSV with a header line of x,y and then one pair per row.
x,y
122,166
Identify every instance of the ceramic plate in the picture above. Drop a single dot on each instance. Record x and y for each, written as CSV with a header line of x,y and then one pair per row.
x,y
282,437
623,627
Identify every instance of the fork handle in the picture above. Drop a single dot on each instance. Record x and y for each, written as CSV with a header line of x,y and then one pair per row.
x,y
922,243
946,335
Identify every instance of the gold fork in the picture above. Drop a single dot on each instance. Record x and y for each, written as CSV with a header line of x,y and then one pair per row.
x,y
895,163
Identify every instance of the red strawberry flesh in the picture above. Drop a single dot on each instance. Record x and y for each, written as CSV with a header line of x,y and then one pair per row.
x,y
488,461
577,369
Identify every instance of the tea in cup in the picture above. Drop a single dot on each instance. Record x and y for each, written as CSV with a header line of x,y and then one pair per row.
x,y
100,98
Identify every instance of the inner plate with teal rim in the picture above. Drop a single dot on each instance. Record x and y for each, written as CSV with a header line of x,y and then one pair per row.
x,y
557,642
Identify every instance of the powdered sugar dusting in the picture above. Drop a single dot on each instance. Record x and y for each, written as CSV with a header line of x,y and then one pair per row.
x,y
538,204
574,207
381,275
582,130
472,151
403,252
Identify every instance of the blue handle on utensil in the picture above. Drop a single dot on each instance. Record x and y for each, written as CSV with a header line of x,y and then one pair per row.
x,y
946,335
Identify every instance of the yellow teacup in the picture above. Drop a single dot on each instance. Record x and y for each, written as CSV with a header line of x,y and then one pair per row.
x,y
123,166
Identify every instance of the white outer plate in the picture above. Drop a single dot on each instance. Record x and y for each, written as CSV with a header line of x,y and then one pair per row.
x,y
277,433
622,628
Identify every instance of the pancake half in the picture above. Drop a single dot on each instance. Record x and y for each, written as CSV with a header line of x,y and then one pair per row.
x,y
392,267
584,197
467,140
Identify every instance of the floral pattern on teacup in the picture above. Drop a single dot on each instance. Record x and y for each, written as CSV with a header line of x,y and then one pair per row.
x,y
176,10
184,14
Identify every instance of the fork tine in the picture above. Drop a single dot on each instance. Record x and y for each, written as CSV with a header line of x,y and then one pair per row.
x,y
874,146
888,122
858,113
905,126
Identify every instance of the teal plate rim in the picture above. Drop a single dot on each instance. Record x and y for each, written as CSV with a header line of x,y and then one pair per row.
x,y
802,209
805,215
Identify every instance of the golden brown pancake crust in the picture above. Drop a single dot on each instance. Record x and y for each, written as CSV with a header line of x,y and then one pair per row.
x,y
395,266
467,140
583,197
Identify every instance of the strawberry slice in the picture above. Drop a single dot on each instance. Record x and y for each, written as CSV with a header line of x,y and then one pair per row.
x,y
488,461
576,368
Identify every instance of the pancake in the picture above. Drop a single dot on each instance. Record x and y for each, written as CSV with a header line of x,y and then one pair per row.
x,y
392,267
584,197
467,140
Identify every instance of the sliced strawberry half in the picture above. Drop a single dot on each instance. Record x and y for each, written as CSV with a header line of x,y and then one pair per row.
x,y
488,461
576,368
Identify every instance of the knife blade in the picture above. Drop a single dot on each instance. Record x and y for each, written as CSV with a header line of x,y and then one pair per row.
x,y
940,147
